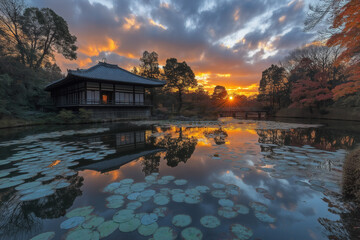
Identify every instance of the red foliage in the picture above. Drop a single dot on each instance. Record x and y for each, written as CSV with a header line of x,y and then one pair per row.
x,y
310,90
348,20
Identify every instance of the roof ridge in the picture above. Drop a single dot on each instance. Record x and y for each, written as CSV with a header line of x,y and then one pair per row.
x,y
151,79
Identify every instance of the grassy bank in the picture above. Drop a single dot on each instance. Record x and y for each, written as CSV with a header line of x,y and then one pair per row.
x,y
331,113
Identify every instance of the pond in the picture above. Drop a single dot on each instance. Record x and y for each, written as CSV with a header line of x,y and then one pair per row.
x,y
226,179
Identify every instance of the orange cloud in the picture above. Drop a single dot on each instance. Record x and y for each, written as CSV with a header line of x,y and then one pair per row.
x,y
95,49
236,14
152,22
224,75
131,23
84,62
282,18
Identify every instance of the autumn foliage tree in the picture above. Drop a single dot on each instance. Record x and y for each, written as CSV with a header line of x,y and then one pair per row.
x,y
348,20
311,89
344,32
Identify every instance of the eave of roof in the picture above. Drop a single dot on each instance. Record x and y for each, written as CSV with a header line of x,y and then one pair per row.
x,y
109,73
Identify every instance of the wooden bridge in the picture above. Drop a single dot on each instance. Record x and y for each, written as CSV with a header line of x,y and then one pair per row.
x,y
243,112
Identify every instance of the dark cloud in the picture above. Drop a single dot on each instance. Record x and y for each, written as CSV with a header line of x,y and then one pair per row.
x,y
192,31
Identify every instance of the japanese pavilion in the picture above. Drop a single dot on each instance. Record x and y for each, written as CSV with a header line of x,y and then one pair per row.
x,y
107,90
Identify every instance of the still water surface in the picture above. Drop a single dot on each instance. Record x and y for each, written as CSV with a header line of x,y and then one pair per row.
x,y
176,180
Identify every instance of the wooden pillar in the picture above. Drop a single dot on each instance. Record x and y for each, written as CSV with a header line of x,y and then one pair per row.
x,y
133,95
259,115
85,86
246,115
114,102
100,93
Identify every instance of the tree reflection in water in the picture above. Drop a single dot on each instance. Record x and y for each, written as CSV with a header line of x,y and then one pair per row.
x,y
219,135
178,149
348,224
347,227
18,218
321,138
151,163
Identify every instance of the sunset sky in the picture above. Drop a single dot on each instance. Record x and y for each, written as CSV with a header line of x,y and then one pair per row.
x,y
226,42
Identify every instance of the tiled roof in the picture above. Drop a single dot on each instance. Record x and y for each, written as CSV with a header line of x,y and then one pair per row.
x,y
108,72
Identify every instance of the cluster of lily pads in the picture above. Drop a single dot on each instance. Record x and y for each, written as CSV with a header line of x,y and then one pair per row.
x,y
38,169
315,168
306,163
51,135
127,198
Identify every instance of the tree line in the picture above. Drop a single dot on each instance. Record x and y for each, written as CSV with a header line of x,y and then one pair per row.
x,y
182,94
325,73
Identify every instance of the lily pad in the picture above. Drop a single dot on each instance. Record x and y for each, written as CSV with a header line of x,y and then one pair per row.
x,y
123,215
191,233
147,230
162,181
193,199
165,233
133,196
242,209
134,205
129,226
160,211
115,201
82,234
4,173
72,222
264,217
218,185
138,187
107,228
227,212
123,190
93,222
8,182
148,193
202,189
210,221
126,181
168,178
59,184
28,185
179,197
257,206
161,199
149,218
44,236
80,212
39,193
226,202
219,193
241,232
181,220
180,182
165,191
192,191
150,179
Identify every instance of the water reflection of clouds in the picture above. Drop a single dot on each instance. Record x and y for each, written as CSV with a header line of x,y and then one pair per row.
x,y
189,153
230,177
